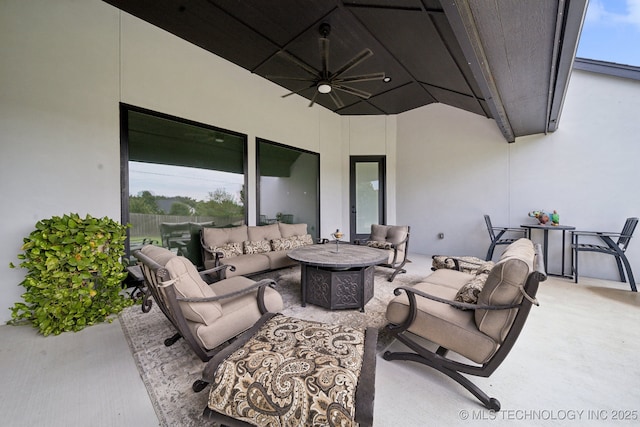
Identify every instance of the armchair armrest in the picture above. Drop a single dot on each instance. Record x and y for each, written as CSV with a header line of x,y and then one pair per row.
x,y
456,304
220,270
413,306
595,233
260,286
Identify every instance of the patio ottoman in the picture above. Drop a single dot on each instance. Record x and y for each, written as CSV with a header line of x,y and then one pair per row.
x,y
288,371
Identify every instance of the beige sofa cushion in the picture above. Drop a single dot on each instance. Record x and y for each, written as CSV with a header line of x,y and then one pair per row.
x,y
263,232
188,284
221,236
503,287
240,313
279,259
452,328
246,264
288,230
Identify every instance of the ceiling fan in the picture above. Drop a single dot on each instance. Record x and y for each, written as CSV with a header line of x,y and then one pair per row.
x,y
325,81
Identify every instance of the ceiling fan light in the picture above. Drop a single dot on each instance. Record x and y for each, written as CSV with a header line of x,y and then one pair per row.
x,y
324,87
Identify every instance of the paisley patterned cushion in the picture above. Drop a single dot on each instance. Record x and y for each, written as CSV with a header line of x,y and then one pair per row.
x,y
468,264
292,372
288,243
469,291
229,250
259,247
379,245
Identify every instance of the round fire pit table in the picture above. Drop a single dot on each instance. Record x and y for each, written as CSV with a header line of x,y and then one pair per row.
x,y
337,279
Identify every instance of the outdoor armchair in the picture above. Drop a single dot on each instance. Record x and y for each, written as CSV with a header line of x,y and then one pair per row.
x,y
482,332
205,315
394,239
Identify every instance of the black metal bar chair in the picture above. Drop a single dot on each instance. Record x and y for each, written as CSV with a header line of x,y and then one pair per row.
x,y
496,233
616,248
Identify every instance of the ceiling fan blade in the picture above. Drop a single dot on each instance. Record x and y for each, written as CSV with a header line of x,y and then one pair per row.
x,y
353,62
313,98
324,55
302,79
353,91
360,78
309,69
295,92
336,99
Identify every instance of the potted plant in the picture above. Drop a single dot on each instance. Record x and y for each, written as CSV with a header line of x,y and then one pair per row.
x,y
75,273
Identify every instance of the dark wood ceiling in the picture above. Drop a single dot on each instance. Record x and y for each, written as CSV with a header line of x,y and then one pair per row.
x,y
432,52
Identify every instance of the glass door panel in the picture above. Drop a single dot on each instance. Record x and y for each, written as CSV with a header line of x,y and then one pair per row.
x,y
367,194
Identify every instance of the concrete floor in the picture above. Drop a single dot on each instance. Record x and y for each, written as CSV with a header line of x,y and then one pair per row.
x,y
574,364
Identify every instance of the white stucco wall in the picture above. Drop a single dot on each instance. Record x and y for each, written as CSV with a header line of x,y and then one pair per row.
x,y
66,66
453,167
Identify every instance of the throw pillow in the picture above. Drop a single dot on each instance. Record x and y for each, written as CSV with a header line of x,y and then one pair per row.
x,y
305,239
378,245
229,250
284,244
259,247
469,291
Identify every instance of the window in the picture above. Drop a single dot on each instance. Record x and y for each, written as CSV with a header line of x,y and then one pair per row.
x,y
288,181
179,176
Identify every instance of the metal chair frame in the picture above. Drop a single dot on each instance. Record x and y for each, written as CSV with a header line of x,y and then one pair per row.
x,y
496,239
616,248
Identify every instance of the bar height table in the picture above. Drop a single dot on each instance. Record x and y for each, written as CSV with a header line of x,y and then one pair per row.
x,y
545,245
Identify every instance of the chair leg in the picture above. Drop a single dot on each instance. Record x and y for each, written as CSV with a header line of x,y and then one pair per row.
x,y
490,402
172,340
574,267
620,270
396,272
492,246
632,282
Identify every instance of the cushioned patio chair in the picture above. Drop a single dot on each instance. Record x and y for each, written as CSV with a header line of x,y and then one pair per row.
x,y
483,332
205,315
497,239
395,240
617,248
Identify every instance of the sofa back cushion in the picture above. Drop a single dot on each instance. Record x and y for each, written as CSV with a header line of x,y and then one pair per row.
x,y
503,287
290,230
263,232
216,237
188,284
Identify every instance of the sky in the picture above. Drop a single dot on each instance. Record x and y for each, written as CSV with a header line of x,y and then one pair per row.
x,y
167,180
611,32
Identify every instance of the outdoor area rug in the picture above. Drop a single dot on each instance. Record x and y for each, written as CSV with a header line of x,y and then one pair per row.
x,y
169,372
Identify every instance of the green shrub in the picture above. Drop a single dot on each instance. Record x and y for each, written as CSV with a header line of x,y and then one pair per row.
x,y
74,274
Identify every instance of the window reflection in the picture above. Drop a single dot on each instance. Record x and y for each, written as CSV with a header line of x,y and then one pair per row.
x,y
288,185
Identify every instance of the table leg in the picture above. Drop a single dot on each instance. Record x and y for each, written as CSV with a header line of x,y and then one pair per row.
x,y
303,283
563,249
362,281
546,247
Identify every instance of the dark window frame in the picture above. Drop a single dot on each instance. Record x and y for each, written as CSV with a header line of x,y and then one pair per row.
x,y
258,175
124,157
